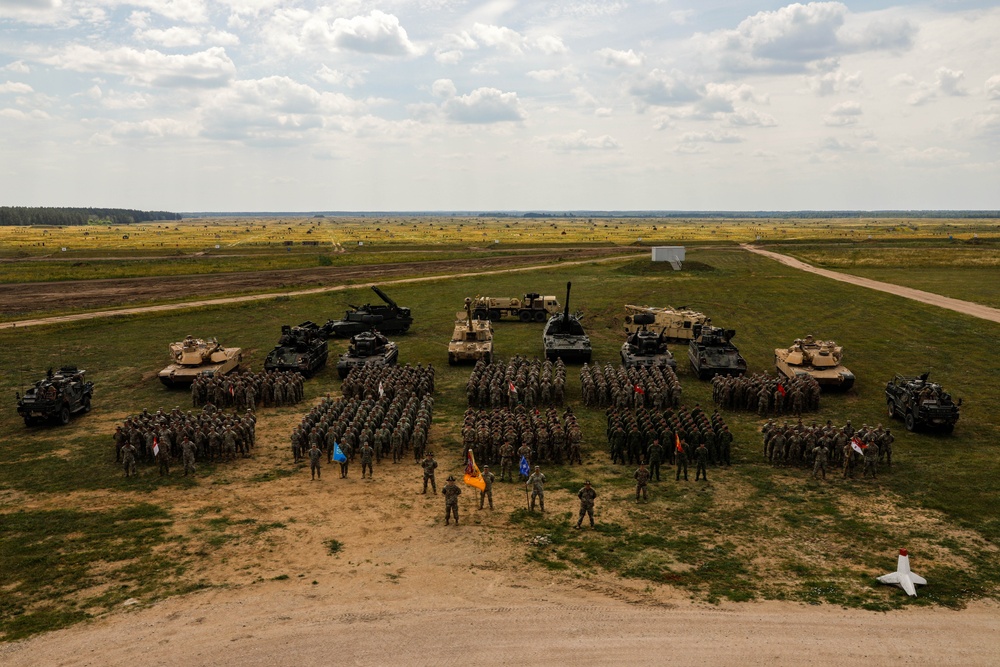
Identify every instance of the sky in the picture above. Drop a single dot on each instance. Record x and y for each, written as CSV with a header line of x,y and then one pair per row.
x,y
439,105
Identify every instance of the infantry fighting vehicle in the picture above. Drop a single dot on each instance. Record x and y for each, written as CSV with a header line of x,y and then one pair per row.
x,y
920,403
679,325
367,347
472,339
820,359
56,397
712,353
532,307
564,337
646,348
395,318
194,357
303,349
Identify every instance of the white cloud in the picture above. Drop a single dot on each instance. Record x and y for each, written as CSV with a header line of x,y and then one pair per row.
x,y
829,83
17,114
32,11
846,109
661,88
210,68
378,33
171,37
949,81
188,11
484,105
18,67
550,45
710,137
444,88
579,141
157,128
616,58
992,87
934,156
450,57
567,73
746,117
498,37
15,87
583,97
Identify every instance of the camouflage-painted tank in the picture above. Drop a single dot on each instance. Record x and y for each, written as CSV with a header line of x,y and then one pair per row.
x,y
820,359
302,349
194,357
472,339
646,348
713,353
367,348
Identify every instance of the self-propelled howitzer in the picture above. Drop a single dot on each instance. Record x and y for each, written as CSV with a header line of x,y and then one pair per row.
x,y
564,337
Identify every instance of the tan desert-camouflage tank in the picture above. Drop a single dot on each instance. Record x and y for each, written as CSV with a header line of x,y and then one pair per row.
x,y
679,325
472,340
194,357
820,359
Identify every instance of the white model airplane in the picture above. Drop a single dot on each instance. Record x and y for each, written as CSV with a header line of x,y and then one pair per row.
x,y
902,577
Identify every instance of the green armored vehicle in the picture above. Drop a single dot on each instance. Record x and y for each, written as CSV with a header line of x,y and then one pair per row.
x,y
921,403
302,349
564,337
395,318
646,348
367,348
712,353
56,397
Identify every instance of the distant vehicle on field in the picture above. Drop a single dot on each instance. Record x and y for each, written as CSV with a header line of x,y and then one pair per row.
x,y
820,359
679,325
195,357
564,337
56,397
302,348
532,307
395,318
921,403
713,353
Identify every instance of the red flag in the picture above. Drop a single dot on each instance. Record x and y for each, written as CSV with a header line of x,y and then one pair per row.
x,y
232,392
677,442
639,390
156,446
513,389
858,446
781,389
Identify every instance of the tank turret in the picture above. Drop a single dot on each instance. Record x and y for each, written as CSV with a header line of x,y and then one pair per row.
x,y
564,336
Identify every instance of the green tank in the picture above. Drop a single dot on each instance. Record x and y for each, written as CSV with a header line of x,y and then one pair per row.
x,y
564,337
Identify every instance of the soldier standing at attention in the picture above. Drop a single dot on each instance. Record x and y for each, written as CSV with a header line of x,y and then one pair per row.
x,y
128,459
537,484
187,451
641,476
314,456
366,460
347,452
680,456
451,492
655,454
586,496
429,464
819,461
701,459
507,461
163,458
488,477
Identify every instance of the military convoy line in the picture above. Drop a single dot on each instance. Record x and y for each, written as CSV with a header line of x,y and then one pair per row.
x,y
139,310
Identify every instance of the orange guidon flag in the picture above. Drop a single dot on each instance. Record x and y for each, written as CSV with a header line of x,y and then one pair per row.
x,y
677,442
473,477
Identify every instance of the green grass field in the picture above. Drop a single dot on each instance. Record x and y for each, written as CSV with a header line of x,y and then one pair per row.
x,y
754,533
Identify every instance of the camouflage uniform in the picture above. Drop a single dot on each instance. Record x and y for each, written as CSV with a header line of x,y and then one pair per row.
x,y
451,492
128,459
429,464
366,460
641,476
537,484
819,461
314,458
187,451
701,458
586,496
488,477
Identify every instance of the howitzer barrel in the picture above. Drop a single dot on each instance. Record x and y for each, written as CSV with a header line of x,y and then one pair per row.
x,y
566,309
384,296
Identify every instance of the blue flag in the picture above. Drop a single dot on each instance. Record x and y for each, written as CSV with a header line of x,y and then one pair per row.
x,y
525,468
338,455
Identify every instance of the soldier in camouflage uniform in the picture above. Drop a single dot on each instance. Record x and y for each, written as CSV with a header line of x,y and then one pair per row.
x,y
451,492
488,477
128,459
314,457
641,476
187,452
366,460
701,458
429,465
507,461
537,484
820,456
586,496
655,455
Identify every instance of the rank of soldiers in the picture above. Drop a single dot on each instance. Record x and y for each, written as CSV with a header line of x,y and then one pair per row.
x,y
245,390
798,445
766,394
503,436
375,381
520,381
651,436
654,387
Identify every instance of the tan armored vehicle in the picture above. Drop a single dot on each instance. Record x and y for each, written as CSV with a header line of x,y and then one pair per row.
x,y
679,325
472,340
820,359
194,357
532,307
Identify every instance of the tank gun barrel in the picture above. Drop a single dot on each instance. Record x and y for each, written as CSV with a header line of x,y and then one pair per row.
x,y
565,319
384,297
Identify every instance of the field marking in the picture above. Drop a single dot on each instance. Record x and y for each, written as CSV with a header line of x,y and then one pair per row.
x,y
958,305
93,315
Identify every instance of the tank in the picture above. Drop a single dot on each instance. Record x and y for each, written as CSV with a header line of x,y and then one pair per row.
x,y
472,339
564,337
645,347
820,359
395,318
194,357
302,348
367,347
921,404
56,397
678,325
713,353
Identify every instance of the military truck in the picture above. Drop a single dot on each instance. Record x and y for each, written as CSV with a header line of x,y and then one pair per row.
x,y
472,339
395,318
194,357
646,348
712,353
56,397
302,348
921,403
532,307
820,359
564,337
367,348
679,325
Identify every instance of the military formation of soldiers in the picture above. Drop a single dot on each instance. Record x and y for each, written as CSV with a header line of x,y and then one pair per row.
x,y
161,437
766,394
502,436
521,381
651,436
248,390
653,387
372,382
844,448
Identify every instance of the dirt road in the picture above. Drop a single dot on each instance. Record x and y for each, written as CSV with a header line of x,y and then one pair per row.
x,y
964,307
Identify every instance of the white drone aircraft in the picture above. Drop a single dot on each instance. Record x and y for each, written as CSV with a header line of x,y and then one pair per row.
x,y
902,577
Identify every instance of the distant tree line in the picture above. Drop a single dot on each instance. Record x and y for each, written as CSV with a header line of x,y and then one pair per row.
x,y
43,215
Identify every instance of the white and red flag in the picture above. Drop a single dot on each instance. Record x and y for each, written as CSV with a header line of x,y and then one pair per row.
x,y
858,446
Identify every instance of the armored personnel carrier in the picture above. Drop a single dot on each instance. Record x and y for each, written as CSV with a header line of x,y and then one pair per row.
x,y
195,357
395,318
679,325
367,347
472,339
820,359
303,349
712,353
646,348
921,403
56,397
564,337
532,307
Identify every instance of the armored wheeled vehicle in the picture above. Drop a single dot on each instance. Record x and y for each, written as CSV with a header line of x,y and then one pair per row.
x,y
395,318
564,337
367,347
921,403
194,357
302,348
713,353
532,307
472,339
56,397
646,348
820,359
679,325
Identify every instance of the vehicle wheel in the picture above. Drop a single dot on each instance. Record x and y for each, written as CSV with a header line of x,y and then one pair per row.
x,y
451,359
540,316
479,314
64,415
28,421
949,428
891,408
86,404
911,422
524,315
488,358
495,315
